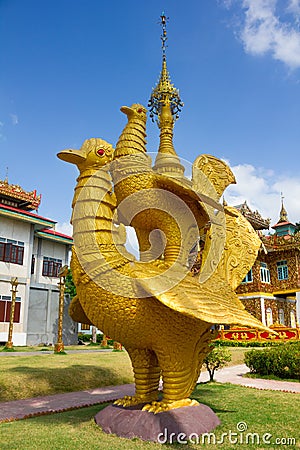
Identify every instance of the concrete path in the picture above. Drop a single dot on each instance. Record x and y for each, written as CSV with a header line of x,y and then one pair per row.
x,y
21,409
235,374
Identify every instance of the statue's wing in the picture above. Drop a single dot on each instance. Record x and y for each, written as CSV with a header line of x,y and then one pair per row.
x,y
211,176
185,189
213,301
238,254
231,244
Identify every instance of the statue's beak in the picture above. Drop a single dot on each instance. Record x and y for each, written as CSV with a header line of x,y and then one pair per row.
x,y
72,156
126,110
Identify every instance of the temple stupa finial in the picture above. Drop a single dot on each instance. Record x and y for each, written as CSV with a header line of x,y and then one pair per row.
x,y
165,103
6,176
283,212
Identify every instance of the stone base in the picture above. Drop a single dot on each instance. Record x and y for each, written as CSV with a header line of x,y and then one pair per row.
x,y
177,425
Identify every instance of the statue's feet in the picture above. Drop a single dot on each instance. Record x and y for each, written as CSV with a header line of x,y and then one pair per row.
x,y
133,400
157,407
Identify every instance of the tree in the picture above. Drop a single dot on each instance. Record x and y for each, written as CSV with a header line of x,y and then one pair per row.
x,y
71,291
70,286
297,227
216,359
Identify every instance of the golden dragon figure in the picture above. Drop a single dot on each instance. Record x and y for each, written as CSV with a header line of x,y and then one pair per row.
x,y
159,312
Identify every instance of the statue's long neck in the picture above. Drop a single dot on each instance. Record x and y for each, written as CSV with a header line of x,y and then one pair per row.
x,y
132,139
96,239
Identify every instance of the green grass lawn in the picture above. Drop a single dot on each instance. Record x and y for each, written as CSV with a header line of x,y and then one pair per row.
x,y
237,355
275,413
39,348
30,376
270,377
45,374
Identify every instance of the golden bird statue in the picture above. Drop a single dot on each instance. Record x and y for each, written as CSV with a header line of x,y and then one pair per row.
x,y
161,313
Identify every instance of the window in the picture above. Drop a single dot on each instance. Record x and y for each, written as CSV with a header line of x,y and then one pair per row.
x,y
248,278
281,316
85,327
264,273
293,319
269,317
282,270
51,267
5,306
11,251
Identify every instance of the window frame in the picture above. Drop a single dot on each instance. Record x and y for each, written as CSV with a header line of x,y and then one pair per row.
x,y
282,270
281,316
248,278
11,252
5,308
51,267
264,272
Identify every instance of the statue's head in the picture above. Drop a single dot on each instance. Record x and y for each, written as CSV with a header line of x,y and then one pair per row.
x,y
135,111
94,153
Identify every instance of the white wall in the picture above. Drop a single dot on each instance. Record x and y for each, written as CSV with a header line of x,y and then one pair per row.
x,y
49,249
19,231
33,328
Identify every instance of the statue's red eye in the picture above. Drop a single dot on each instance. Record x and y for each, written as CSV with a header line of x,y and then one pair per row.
x,y
140,110
100,152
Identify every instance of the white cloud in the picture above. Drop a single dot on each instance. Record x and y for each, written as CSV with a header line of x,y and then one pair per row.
x,y
294,7
2,136
262,189
64,228
226,3
14,119
264,28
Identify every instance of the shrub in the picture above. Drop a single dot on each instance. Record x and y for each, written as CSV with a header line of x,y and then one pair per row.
x,y
84,337
216,359
282,361
229,343
87,337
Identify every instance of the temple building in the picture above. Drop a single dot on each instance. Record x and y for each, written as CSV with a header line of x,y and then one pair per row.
x,y
271,289
32,251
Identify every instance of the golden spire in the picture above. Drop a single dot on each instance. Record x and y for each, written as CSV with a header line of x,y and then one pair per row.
x,y
165,103
283,213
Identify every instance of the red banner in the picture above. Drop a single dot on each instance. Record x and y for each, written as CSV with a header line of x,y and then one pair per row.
x,y
247,334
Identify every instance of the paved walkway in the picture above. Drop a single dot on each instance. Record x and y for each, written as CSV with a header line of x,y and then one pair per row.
x,y
21,409
235,374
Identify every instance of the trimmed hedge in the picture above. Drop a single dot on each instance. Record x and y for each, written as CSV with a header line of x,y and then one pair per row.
x,y
228,343
87,337
282,361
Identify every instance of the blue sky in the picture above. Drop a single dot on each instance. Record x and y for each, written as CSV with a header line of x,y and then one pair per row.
x,y
68,65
